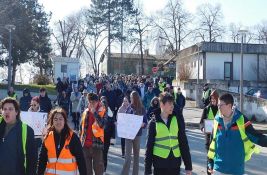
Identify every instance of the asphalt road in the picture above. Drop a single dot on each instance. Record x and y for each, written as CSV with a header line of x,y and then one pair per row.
x,y
256,166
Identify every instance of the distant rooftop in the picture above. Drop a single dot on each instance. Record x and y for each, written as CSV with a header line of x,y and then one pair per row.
x,y
138,56
65,59
221,47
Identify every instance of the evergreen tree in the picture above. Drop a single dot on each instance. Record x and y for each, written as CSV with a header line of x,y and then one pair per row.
x,y
27,39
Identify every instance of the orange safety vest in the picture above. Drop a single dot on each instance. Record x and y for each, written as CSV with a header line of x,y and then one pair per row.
x,y
65,164
97,130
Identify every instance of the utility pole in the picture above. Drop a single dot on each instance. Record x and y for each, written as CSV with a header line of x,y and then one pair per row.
x,y
10,27
243,35
121,62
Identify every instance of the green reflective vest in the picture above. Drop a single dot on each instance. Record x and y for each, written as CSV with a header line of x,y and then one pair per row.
x,y
206,94
249,147
14,96
166,140
162,86
210,114
24,138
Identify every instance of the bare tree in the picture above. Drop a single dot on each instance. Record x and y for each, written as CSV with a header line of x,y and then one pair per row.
x,y
96,35
261,33
173,24
210,22
139,29
184,71
69,35
233,30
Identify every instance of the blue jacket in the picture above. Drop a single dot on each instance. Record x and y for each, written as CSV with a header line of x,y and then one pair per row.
x,y
229,148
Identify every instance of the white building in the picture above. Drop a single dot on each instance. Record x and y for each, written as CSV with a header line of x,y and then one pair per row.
x,y
66,67
221,61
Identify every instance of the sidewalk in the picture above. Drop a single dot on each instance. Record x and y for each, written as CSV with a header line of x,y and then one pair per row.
x,y
192,118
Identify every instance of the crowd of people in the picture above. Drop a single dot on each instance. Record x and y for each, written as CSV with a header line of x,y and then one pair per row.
x,y
93,104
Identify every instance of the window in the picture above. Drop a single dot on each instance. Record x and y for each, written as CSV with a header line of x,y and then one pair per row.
x,y
228,71
64,68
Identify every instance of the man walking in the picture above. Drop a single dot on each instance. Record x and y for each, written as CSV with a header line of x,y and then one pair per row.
x,y
92,135
167,142
233,139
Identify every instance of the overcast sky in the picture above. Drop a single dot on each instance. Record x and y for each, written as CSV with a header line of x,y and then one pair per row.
x,y
245,12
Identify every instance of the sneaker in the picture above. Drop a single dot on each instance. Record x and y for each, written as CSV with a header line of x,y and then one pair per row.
x,y
123,156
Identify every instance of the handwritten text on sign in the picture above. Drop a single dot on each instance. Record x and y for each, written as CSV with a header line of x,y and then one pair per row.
x,y
36,120
128,125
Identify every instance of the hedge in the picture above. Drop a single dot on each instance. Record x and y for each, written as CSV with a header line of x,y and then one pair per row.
x,y
51,89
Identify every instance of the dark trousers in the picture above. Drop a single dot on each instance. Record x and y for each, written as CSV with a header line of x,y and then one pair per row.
x,y
207,138
122,146
167,171
107,137
76,119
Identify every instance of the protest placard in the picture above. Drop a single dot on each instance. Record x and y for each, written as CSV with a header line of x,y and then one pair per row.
x,y
208,126
36,120
128,125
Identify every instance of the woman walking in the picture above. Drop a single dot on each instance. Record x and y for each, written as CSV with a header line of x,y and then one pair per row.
x,y
135,108
61,151
124,106
35,107
209,113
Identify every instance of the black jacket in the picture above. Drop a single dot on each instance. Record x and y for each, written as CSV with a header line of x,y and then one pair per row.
x,y
111,97
171,161
25,101
45,103
31,150
75,149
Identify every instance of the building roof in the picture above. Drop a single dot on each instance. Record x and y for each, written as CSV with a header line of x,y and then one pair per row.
x,y
65,59
221,47
138,56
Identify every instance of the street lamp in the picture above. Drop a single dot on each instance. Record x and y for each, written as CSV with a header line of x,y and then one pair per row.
x,y
197,86
9,27
243,36
198,55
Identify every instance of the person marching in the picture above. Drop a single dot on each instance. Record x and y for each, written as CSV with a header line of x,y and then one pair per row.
x,y
167,141
206,95
209,113
61,151
35,107
17,148
92,135
161,84
233,139
74,98
135,108
108,129
123,108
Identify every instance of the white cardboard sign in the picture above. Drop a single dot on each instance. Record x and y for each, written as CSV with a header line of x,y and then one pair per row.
x,y
36,120
128,125
208,126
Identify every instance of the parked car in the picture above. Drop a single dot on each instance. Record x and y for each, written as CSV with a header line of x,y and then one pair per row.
x,y
258,92
4,81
